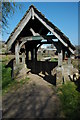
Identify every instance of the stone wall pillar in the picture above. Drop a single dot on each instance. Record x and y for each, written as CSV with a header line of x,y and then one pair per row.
x,y
17,53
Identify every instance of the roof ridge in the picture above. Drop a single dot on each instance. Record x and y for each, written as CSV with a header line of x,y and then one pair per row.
x,y
32,6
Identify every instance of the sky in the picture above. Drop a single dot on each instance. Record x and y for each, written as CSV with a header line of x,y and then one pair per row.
x,y
62,14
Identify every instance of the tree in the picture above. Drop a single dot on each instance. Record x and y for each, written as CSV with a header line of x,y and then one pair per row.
x,y
8,9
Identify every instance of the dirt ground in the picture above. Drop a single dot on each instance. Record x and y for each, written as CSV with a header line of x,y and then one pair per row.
x,y
35,99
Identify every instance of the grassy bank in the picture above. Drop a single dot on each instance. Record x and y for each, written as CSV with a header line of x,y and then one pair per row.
x,y
7,83
70,99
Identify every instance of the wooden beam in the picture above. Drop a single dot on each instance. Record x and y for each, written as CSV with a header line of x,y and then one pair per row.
x,y
52,30
32,13
73,52
47,42
33,32
30,38
19,29
17,53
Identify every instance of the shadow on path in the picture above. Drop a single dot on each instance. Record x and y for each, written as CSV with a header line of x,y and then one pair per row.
x,y
49,78
32,100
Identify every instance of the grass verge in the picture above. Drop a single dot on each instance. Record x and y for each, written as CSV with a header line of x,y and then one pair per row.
x,y
70,99
7,82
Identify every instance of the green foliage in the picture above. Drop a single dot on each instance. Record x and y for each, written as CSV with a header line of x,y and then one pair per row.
x,y
70,99
6,76
5,59
54,59
7,82
8,9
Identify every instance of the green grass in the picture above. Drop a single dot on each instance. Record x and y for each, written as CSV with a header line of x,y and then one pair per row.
x,y
54,59
70,99
6,76
7,82
5,59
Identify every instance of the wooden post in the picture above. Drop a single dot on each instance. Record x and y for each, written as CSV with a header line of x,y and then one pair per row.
x,y
63,54
69,58
60,54
60,58
23,58
27,55
69,63
33,59
36,54
33,54
17,53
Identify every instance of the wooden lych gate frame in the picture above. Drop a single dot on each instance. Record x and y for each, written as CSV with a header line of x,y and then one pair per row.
x,y
31,30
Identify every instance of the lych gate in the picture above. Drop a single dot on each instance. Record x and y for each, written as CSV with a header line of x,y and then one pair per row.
x,y
27,38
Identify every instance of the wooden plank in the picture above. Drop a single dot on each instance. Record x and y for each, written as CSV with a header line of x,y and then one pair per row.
x,y
19,29
73,52
32,13
33,32
38,38
17,53
47,58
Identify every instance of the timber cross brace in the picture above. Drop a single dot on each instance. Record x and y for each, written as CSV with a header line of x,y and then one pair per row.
x,y
29,33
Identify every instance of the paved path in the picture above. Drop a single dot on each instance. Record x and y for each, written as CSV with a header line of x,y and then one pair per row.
x,y
35,99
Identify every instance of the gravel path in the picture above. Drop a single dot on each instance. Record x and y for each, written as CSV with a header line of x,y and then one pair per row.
x,y
35,99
